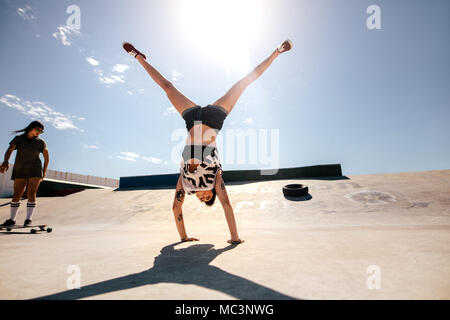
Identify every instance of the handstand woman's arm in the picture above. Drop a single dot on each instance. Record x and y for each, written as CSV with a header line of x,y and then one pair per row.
x,y
178,212
227,208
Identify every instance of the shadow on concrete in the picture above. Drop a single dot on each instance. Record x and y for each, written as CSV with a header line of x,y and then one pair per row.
x,y
147,188
15,232
5,204
9,202
183,266
304,198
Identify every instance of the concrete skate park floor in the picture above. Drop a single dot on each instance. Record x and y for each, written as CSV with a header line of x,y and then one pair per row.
x,y
125,244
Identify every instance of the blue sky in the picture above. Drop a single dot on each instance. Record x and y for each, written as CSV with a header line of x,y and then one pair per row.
x,y
375,101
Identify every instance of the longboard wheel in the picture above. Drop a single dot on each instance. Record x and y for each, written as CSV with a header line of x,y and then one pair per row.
x,y
8,229
49,230
33,231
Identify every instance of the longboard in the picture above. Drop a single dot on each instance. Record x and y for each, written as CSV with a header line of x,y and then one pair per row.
x,y
42,227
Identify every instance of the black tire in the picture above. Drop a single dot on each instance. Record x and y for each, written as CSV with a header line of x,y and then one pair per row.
x,y
295,190
33,231
49,230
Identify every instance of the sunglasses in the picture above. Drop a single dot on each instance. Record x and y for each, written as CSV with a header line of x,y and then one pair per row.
x,y
39,129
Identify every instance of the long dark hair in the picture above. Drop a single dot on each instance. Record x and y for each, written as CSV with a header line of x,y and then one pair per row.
x,y
211,202
31,126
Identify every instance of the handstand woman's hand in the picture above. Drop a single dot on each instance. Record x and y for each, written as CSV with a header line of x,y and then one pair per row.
x,y
189,239
231,241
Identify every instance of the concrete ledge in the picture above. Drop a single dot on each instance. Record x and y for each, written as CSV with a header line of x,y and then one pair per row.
x,y
163,181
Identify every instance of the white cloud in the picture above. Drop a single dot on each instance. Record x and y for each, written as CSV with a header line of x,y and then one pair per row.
x,y
98,72
65,33
152,160
132,156
109,79
141,91
40,111
248,121
91,146
127,158
92,61
25,13
170,110
129,92
176,75
121,68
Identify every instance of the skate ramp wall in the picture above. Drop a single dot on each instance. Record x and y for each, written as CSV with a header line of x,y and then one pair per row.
x,y
170,180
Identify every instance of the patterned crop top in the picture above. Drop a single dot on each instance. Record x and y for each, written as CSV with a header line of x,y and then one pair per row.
x,y
204,177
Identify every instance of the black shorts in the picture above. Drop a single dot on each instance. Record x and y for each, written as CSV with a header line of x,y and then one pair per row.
x,y
212,116
25,171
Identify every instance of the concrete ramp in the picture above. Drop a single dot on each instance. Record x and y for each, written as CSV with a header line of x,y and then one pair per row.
x,y
380,236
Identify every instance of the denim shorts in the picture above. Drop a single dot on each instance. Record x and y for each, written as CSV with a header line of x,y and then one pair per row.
x,y
211,115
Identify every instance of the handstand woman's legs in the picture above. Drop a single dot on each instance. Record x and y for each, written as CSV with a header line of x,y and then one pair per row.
x,y
179,101
231,97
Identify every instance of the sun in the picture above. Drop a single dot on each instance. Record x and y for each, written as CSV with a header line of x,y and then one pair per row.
x,y
223,30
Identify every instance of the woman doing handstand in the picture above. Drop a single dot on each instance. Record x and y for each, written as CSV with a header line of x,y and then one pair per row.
x,y
201,171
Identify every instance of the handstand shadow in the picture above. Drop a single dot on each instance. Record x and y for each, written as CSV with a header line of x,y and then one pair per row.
x,y
183,266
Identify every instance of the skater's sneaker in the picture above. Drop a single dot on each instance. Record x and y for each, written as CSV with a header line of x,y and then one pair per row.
x,y
130,49
285,46
27,223
8,223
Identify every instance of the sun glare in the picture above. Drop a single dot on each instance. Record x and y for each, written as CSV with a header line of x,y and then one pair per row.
x,y
223,30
